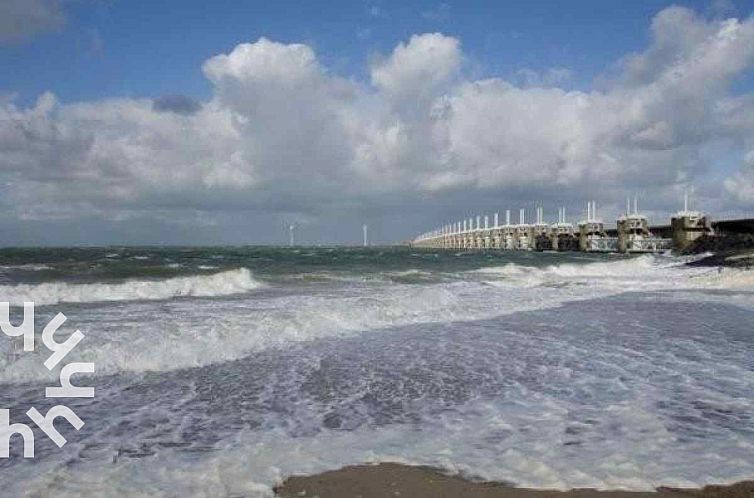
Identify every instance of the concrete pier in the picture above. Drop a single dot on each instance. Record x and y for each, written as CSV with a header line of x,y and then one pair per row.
x,y
541,239
634,234
592,235
562,234
687,226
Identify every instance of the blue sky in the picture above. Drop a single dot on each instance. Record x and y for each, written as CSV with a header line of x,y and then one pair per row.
x,y
223,122
144,49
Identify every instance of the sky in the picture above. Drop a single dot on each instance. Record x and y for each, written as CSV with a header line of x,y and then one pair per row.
x,y
192,122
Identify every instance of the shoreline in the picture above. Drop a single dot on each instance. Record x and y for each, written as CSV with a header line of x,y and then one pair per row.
x,y
391,480
743,260
732,250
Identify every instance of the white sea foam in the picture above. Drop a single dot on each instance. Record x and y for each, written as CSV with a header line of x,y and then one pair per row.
x,y
218,284
27,267
189,335
521,436
725,278
253,462
642,273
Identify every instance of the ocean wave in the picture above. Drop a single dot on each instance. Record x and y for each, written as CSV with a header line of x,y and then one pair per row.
x,y
219,330
631,274
27,267
415,276
219,284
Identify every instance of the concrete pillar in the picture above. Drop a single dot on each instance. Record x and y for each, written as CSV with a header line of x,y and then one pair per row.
x,y
623,234
589,232
629,228
584,236
687,227
533,237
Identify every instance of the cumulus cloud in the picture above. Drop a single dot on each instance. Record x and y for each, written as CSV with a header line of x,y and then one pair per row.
x,y
551,77
22,19
282,134
419,68
741,185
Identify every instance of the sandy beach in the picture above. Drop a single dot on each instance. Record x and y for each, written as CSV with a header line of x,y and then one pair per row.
x,y
390,480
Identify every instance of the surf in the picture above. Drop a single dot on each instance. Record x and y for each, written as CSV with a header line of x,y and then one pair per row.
x,y
50,293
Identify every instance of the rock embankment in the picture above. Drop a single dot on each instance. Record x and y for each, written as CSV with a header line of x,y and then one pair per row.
x,y
733,250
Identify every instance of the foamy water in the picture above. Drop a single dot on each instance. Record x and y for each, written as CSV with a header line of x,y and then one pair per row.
x,y
228,371
219,284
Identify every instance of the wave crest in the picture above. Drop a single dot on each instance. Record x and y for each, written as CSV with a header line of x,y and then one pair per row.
x,y
223,283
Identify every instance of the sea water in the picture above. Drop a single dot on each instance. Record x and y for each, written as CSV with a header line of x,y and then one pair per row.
x,y
220,371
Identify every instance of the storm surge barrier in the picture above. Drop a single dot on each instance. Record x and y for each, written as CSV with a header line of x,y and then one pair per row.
x,y
632,232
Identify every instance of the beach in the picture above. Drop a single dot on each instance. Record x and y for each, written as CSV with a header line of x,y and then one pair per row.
x,y
227,371
388,480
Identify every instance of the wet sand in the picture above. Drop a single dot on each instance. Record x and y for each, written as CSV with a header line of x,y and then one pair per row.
x,y
391,480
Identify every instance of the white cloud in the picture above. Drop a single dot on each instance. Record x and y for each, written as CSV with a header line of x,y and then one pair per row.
x,y
741,185
419,68
551,77
283,134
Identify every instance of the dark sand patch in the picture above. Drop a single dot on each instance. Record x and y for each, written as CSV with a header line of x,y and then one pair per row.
x,y
391,480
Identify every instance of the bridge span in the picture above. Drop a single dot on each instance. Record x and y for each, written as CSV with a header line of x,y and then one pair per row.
x,y
632,232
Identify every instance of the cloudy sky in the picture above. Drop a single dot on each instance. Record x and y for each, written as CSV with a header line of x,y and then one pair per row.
x,y
194,122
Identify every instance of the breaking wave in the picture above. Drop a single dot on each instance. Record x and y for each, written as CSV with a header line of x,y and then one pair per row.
x,y
219,331
638,273
642,273
27,267
219,284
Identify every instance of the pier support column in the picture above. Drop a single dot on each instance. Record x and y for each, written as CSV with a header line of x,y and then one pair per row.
x,y
583,237
633,229
687,227
623,235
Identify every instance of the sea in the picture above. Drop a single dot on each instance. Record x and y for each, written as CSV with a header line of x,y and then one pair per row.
x,y
220,371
